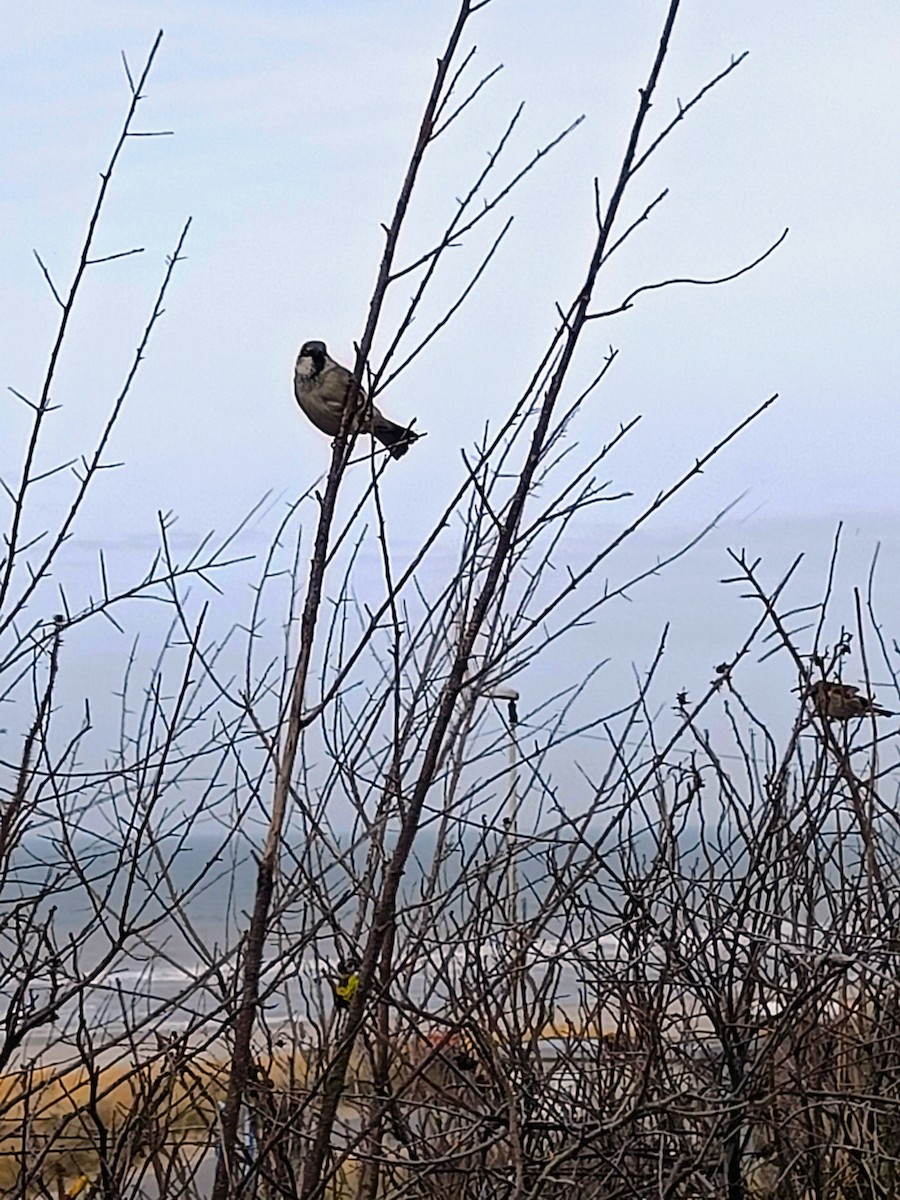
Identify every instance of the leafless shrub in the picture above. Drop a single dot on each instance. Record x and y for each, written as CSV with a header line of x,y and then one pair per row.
x,y
676,979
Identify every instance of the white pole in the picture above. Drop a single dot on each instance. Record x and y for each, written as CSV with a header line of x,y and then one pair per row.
x,y
512,828
512,798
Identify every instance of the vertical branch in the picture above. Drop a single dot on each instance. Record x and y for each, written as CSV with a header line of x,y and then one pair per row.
x,y
10,827
43,405
256,935
382,922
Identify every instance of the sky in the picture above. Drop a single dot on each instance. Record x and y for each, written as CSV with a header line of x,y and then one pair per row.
x,y
291,127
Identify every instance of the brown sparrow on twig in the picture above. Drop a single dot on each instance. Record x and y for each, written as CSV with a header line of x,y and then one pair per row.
x,y
323,387
842,701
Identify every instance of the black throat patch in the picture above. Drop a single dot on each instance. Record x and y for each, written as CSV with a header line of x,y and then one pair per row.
x,y
318,361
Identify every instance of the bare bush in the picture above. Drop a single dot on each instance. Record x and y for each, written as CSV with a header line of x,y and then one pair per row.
x,y
454,979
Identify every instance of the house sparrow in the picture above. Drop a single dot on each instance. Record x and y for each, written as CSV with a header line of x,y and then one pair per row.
x,y
842,702
323,386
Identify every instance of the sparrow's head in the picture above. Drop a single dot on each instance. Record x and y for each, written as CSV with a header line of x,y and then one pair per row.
x,y
311,359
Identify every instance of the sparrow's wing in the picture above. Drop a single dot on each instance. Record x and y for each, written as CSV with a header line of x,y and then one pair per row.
x,y
340,382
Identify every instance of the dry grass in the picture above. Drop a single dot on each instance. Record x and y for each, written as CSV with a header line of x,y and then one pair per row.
x,y
53,1122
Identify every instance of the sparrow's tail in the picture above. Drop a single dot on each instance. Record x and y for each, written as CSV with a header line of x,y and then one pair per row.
x,y
397,439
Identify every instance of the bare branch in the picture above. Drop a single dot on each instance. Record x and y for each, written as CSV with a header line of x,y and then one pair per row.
x,y
650,287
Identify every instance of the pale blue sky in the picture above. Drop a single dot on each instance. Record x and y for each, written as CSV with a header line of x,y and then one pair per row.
x,y
292,122
292,126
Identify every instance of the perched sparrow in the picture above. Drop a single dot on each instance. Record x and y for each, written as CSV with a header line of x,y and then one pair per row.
x,y
842,701
323,387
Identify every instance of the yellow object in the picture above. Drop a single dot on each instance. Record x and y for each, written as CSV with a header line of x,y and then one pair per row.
x,y
345,987
77,1187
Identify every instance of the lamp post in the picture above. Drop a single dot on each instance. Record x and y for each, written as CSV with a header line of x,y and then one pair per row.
x,y
511,696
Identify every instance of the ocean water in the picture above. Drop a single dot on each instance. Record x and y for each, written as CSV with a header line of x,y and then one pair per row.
x,y
178,972
173,972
